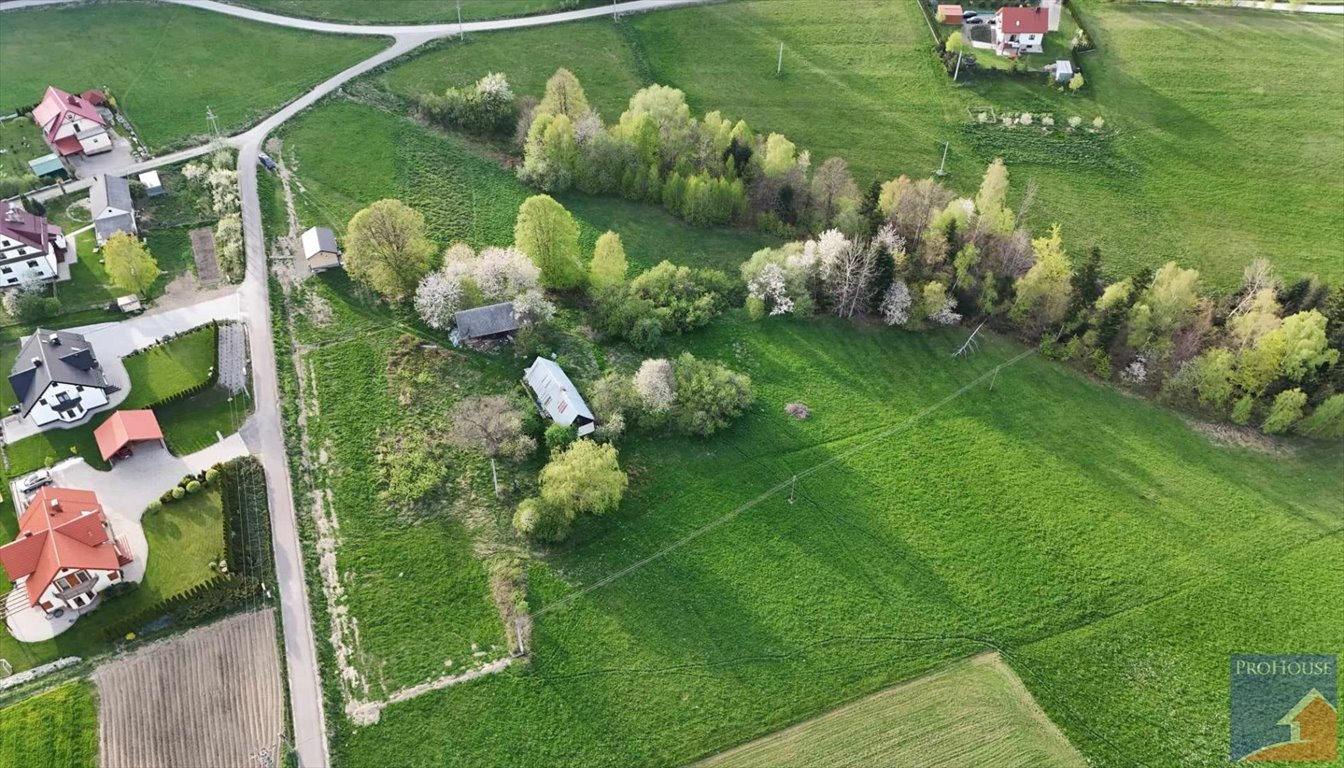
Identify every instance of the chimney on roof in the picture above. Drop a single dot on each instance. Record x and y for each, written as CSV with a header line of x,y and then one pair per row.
x,y
37,362
12,213
73,99
54,340
55,506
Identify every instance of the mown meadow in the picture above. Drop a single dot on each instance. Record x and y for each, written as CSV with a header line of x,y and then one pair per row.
x,y
1202,107
166,64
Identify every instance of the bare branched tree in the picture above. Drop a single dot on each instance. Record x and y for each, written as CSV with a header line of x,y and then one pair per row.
x,y
492,425
850,282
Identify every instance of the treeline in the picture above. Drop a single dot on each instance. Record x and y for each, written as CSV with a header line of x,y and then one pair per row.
x,y
1266,355
709,171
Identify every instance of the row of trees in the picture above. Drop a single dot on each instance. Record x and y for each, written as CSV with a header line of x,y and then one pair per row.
x,y
687,395
220,179
708,171
926,257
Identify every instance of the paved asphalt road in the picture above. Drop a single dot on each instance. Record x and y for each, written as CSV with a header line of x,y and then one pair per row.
x,y
265,435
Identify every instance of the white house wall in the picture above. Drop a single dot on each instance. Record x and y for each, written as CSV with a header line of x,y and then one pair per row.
x,y
44,412
20,262
101,581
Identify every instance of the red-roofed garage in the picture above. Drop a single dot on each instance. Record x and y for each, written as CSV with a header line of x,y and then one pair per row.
x,y
123,430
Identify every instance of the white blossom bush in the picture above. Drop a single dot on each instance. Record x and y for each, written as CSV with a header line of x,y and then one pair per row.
x,y
771,286
1048,120
495,86
947,315
193,171
887,237
1025,119
1136,372
1007,121
588,128
438,297
982,117
656,384
1075,121
531,307
1098,123
502,273
895,307
223,183
26,286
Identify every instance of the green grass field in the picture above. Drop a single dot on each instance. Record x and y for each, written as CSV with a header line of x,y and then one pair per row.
x,y
972,712
184,537
908,550
1009,518
410,11
1204,106
57,729
165,64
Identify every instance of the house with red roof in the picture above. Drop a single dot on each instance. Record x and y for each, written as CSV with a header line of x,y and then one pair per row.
x,y
66,552
1020,30
71,124
31,248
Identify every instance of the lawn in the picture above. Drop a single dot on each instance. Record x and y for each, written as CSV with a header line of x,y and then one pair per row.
x,y
1202,106
463,194
22,141
184,537
165,66
169,369
972,712
57,729
1000,519
411,11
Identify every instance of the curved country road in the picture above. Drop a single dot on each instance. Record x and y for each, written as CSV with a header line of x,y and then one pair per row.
x,y
266,436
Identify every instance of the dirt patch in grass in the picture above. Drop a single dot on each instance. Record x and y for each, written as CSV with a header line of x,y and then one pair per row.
x,y
1233,436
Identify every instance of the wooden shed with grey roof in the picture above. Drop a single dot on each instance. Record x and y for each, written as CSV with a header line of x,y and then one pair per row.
x,y
488,322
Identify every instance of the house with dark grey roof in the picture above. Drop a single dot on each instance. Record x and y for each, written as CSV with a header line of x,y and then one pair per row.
x,y
320,250
111,206
57,378
487,322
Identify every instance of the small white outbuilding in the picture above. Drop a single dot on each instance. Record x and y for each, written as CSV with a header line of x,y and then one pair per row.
x,y
1063,71
319,249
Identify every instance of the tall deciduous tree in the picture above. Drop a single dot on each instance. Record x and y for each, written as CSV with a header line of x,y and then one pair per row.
x,y
609,266
1043,293
130,266
564,96
1166,306
386,248
1285,412
991,202
547,233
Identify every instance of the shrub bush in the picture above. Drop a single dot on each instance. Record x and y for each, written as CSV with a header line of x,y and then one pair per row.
x,y
559,436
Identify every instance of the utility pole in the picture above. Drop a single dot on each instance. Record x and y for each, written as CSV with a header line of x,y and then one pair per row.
x,y
615,16
213,120
461,33
940,171
793,484
780,66
958,69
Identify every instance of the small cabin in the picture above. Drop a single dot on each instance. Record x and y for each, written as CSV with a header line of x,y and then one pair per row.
x,y
950,14
493,321
319,249
557,396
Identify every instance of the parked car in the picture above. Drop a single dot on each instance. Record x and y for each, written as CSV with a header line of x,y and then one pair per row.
x,y
35,481
266,161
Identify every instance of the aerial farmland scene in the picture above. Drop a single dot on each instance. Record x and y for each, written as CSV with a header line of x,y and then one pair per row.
x,y
659,383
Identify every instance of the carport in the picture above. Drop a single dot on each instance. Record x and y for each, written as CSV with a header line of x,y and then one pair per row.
x,y
126,428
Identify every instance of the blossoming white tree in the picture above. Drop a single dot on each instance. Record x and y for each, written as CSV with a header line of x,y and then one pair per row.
x,y
656,385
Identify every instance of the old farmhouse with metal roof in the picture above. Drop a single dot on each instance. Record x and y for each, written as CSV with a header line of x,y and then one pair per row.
x,y
558,396
57,378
